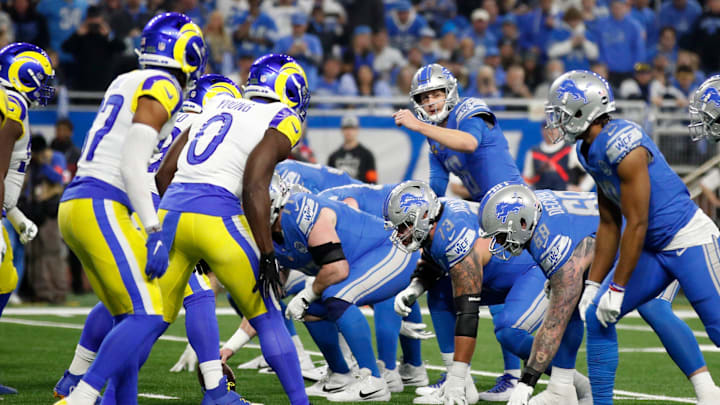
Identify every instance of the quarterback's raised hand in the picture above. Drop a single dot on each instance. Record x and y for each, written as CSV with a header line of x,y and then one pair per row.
x,y
157,254
521,394
269,276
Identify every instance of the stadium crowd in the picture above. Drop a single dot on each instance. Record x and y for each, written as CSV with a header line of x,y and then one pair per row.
x,y
496,48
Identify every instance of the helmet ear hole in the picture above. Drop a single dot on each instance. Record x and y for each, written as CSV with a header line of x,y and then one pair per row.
x,y
523,223
578,114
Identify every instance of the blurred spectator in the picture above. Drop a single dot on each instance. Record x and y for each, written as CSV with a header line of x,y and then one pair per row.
x,y
592,15
30,26
427,45
63,143
479,32
64,17
327,25
689,58
364,12
492,59
360,50
281,11
553,69
370,85
254,32
554,166
684,80
706,36
485,86
448,45
126,20
621,42
404,25
467,56
403,81
332,83
45,265
93,52
439,12
709,184
244,61
646,16
531,66
304,47
572,42
387,58
220,45
536,27
661,90
667,47
509,54
509,28
352,157
679,14
193,9
638,86
415,58
515,86
495,21
601,69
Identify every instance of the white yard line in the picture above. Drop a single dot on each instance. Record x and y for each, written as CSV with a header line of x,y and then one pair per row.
x,y
618,393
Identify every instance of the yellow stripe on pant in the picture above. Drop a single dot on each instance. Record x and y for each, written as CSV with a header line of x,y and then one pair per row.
x,y
8,274
226,245
112,251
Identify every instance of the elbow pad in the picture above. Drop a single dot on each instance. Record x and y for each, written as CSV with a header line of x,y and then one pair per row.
x,y
326,253
467,310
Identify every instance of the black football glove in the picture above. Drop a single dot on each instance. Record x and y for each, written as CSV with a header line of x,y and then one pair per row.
x,y
269,277
202,267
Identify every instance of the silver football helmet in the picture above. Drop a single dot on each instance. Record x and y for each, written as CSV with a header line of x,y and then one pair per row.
x,y
508,215
279,194
410,210
433,77
705,110
575,100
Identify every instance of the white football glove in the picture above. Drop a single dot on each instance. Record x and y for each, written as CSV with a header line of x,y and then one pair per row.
x,y
299,304
187,361
415,331
609,306
453,390
591,289
406,298
547,289
521,394
26,229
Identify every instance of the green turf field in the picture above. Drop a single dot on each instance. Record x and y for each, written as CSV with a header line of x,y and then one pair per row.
x,y
36,349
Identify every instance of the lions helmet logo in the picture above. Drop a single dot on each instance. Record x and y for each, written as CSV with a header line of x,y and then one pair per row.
x,y
569,88
505,208
408,201
711,95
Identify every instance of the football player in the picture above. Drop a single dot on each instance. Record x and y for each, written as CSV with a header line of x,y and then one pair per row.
x,y
210,168
314,177
138,111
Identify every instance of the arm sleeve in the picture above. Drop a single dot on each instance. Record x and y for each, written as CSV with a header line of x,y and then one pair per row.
x,y
137,151
439,177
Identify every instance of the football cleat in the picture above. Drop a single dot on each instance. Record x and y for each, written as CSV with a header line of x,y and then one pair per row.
x,y
556,394
427,390
392,377
710,398
584,391
315,373
413,376
230,397
256,363
5,390
66,384
502,390
366,388
329,384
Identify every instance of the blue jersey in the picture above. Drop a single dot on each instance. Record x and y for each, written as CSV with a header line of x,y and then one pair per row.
x,y
361,233
670,205
482,169
370,197
313,177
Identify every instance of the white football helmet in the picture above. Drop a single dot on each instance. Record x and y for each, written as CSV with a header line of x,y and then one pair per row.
x,y
433,77
705,110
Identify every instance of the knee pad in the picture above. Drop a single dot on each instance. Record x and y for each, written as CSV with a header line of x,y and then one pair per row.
x,y
335,308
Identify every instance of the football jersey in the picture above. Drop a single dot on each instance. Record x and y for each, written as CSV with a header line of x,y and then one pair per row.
x,y
360,233
370,197
670,205
312,176
99,174
567,218
211,165
20,155
183,122
488,165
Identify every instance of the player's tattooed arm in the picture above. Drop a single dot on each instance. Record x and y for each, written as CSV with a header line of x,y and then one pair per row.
x,y
168,166
566,285
467,276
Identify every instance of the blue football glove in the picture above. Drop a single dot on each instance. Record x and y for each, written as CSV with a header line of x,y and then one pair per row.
x,y
157,255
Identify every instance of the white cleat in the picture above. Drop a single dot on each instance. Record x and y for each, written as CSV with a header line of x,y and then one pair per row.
x,y
256,363
712,398
392,377
583,389
366,388
556,394
315,373
429,389
329,384
504,386
413,376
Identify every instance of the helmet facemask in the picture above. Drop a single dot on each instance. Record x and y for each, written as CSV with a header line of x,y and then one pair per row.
x,y
279,194
411,210
705,110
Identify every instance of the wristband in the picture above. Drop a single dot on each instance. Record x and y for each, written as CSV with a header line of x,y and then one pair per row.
x,y
616,287
530,376
592,283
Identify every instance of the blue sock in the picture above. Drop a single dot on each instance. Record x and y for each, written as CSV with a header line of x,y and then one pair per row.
x,y
279,351
97,325
602,358
570,344
126,382
289,324
126,337
325,335
411,348
675,335
387,331
356,331
511,361
4,298
201,325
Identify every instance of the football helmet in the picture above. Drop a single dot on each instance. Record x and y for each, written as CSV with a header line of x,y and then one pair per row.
x,y
172,40
279,77
433,77
207,87
410,210
509,212
705,110
3,107
575,99
279,194
27,69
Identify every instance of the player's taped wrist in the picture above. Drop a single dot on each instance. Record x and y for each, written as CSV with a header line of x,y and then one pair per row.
x,y
416,287
530,376
16,218
590,283
327,253
237,340
467,309
308,294
616,287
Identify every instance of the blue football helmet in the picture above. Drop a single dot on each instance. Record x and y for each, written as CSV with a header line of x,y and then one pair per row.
x,y
279,77
172,40
207,87
27,69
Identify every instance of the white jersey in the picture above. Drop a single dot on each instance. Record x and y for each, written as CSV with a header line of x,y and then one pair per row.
x,y
183,122
101,155
222,137
20,156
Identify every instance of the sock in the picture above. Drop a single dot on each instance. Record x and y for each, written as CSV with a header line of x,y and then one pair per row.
x,y
126,382
570,344
675,335
201,325
411,348
562,376
83,394
447,359
97,325
346,352
602,358
514,372
81,361
354,327
703,385
279,352
4,298
212,373
387,332
325,335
